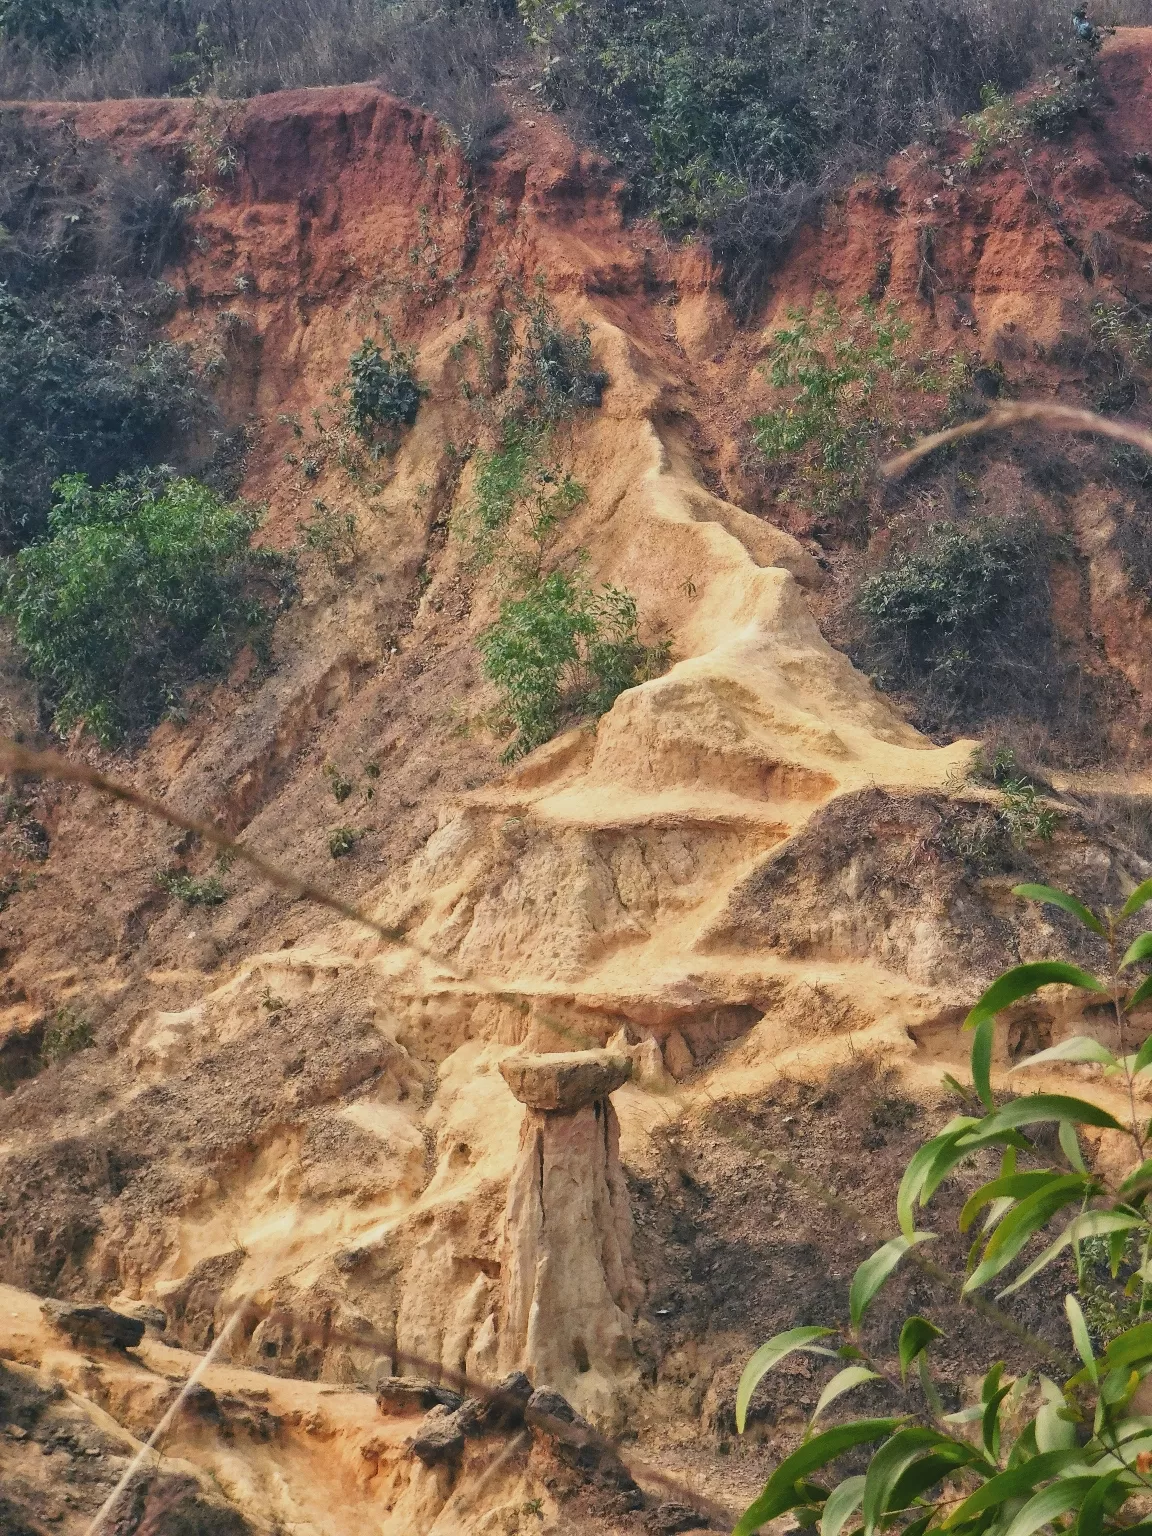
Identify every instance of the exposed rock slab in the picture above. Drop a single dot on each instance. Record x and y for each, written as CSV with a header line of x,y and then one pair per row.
x,y
94,1325
564,1081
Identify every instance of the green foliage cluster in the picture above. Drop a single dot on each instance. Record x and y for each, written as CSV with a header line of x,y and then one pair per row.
x,y
193,891
1050,114
555,375
1032,1453
340,785
342,841
140,586
553,380
841,372
331,534
88,385
735,117
67,1033
961,618
562,650
381,390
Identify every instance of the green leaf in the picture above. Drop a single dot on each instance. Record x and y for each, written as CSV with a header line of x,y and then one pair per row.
x,y
1054,898
920,1167
1132,1347
843,1381
1053,1431
1016,1186
1038,1107
1077,1048
915,1337
1080,1335
1141,895
1012,1484
928,1470
1021,1222
1057,1499
779,1493
990,1422
983,1039
1139,949
889,1465
842,1502
1089,1224
871,1275
1023,980
1070,1143
765,1358
1137,1183
1101,1500
1141,994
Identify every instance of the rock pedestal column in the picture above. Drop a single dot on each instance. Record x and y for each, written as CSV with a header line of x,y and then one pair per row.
x,y
569,1283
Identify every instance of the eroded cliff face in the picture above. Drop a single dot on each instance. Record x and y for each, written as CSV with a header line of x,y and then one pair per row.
x,y
746,871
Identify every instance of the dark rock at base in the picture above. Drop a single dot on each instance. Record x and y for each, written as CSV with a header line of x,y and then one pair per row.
x,y
410,1394
667,1519
439,1437
505,1408
94,1325
546,1404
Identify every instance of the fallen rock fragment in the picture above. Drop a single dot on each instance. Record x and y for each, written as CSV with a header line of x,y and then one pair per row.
x,y
95,1325
667,1519
410,1394
439,1437
505,1408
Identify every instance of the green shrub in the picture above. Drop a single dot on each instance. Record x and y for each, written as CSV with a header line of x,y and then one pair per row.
x,y
68,1033
381,391
736,115
88,384
141,587
1068,1454
343,841
208,891
841,372
340,786
555,375
961,619
333,535
563,650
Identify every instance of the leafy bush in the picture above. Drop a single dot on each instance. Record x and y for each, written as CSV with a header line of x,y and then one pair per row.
x,y
563,650
1051,114
381,391
961,619
88,385
340,785
1037,1454
68,1033
140,587
841,373
736,117
208,891
556,375
343,841
333,535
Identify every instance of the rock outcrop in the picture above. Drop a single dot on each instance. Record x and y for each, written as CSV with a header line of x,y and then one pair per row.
x,y
569,1284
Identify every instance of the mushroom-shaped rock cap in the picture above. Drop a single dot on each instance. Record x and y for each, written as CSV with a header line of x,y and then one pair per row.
x,y
565,1080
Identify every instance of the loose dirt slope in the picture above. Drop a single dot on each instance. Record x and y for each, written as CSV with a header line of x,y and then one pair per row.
x,y
747,870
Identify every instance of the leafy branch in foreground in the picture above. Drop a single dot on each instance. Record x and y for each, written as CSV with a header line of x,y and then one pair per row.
x,y
1084,1451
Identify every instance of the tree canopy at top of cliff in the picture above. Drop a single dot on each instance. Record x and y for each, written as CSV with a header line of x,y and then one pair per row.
x,y
729,116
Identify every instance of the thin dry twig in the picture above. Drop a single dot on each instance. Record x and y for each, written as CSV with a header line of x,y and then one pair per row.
x,y
1046,412
51,765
